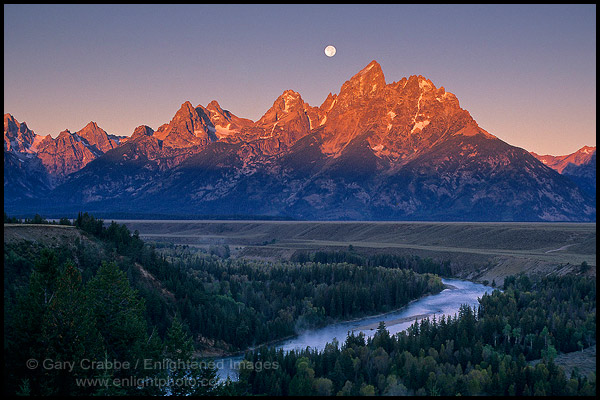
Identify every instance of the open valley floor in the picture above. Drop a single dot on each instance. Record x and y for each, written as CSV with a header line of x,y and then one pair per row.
x,y
480,251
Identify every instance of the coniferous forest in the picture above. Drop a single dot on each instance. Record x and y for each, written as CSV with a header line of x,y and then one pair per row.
x,y
483,351
112,315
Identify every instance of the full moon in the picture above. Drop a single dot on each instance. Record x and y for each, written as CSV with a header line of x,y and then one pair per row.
x,y
330,51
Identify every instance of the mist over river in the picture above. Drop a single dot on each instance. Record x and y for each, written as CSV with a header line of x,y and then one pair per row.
x,y
447,302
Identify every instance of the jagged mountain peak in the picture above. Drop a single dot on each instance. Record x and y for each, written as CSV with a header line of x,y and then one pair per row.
x,y
186,114
185,111
189,127
289,100
12,125
217,114
287,103
416,84
92,130
97,136
328,102
587,149
559,163
227,126
371,69
8,118
422,81
17,136
91,126
399,119
584,154
214,106
288,120
366,82
425,84
142,130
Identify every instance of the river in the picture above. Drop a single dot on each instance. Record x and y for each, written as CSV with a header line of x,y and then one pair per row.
x,y
447,302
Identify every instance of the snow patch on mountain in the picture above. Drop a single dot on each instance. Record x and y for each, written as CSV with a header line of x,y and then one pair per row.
x,y
424,84
223,132
420,125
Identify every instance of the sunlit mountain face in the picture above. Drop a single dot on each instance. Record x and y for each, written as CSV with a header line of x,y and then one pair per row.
x,y
579,166
559,163
374,151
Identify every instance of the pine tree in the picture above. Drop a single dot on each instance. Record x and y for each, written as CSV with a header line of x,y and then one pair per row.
x,y
119,312
69,334
108,386
24,340
188,375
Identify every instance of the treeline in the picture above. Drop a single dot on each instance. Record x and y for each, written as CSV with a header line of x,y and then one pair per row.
x,y
484,351
37,219
155,216
414,263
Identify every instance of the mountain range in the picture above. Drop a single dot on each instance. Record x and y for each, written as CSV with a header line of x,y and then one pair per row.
x,y
579,166
404,150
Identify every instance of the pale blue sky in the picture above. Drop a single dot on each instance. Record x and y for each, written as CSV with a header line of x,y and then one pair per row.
x,y
526,73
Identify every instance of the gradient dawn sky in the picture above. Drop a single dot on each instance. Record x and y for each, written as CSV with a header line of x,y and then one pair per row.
x,y
526,73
